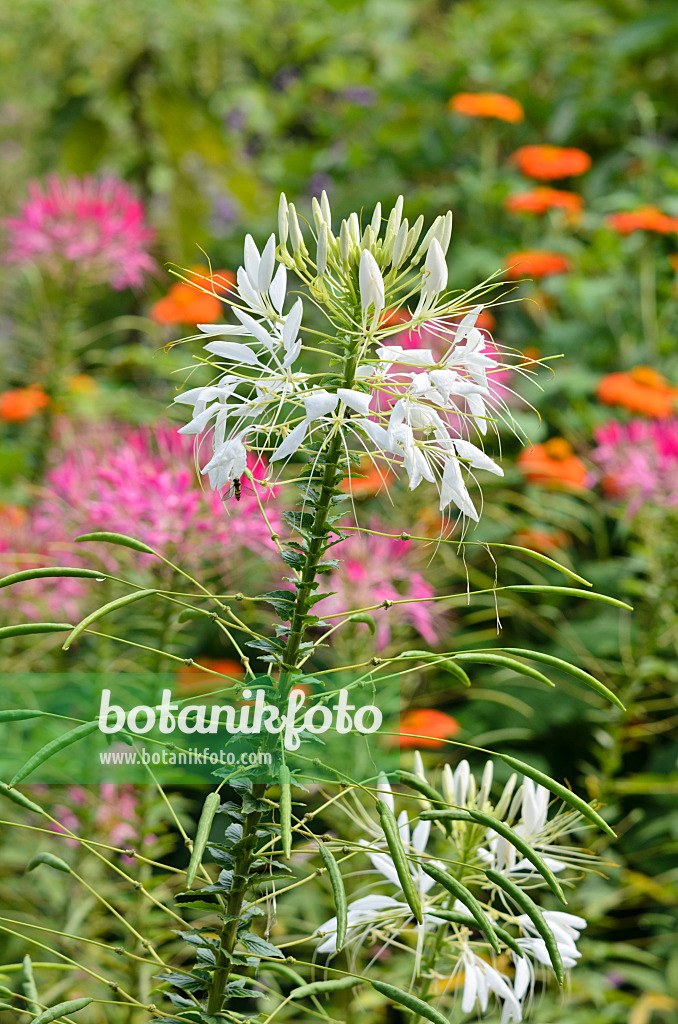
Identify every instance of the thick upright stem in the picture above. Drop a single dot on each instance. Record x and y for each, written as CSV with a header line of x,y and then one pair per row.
x,y
332,473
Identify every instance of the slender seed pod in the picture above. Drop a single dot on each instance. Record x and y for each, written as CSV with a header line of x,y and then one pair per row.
x,y
209,809
397,851
30,628
29,986
317,988
61,1010
122,539
430,792
50,861
338,892
20,714
19,798
460,892
285,810
529,907
120,602
507,833
52,748
409,1001
559,790
455,917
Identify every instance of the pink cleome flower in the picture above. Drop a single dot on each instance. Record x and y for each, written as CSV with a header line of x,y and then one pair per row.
x,y
133,480
373,569
639,461
96,225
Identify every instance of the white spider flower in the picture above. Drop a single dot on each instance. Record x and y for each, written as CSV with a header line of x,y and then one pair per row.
x,y
481,980
413,408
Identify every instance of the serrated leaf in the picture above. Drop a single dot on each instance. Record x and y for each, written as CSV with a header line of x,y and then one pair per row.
x,y
258,946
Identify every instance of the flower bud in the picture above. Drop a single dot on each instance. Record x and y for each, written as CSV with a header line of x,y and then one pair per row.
x,y
447,232
283,220
317,213
344,242
435,270
371,283
296,238
325,209
400,244
375,223
321,260
354,228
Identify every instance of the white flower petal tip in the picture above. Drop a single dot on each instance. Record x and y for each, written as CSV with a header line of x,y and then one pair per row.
x,y
435,270
371,283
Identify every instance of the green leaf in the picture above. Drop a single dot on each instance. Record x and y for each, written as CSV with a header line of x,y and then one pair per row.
x,y
120,602
118,538
258,946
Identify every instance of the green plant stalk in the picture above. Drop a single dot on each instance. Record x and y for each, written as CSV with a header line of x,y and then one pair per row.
x,y
332,474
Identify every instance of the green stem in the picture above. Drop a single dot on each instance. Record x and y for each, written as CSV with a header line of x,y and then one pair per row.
x,y
333,472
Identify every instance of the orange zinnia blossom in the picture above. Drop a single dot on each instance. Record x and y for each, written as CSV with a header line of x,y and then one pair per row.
x,y
487,104
20,404
536,263
546,163
542,199
646,218
371,480
642,390
428,727
553,463
188,304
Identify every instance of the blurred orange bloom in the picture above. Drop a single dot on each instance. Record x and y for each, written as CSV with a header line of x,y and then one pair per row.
x,y
429,728
646,218
536,263
371,480
191,679
20,404
542,199
487,104
13,515
642,390
553,463
543,541
187,304
546,163
486,321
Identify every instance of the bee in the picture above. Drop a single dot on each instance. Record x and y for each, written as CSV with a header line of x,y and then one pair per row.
x,y
236,488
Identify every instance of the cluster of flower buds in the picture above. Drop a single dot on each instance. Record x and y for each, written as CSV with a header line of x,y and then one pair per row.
x,y
406,406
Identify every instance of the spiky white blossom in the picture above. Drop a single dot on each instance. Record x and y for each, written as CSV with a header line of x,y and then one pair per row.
x,y
407,407
566,929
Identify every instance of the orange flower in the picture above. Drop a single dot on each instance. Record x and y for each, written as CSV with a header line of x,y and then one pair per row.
x,y
427,727
487,104
486,321
646,218
553,463
188,304
546,163
20,404
642,390
543,541
536,263
13,515
370,481
542,199
191,679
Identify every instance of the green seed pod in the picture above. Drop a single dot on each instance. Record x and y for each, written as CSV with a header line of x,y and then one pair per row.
x,y
397,851
120,602
117,538
455,917
409,1001
426,790
285,810
317,988
338,892
53,747
209,809
19,798
460,892
50,860
29,986
529,907
61,1010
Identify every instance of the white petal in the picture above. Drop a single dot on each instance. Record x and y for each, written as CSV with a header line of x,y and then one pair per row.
x,y
221,329
292,324
266,265
453,489
385,792
252,260
476,457
376,433
470,986
233,351
320,402
523,977
198,423
420,835
278,288
435,269
356,400
385,866
371,283
292,442
254,327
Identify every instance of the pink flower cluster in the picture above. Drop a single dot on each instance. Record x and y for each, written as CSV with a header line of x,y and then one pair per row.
x,y
116,816
96,226
137,481
374,569
639,461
